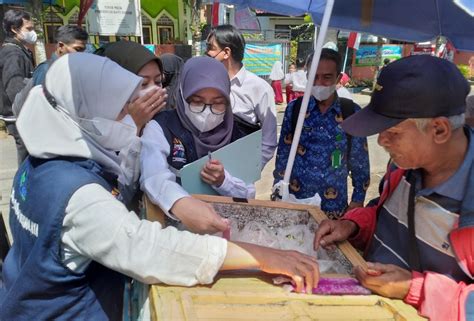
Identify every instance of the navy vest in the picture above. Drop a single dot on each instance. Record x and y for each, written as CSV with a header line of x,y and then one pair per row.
x,y
38,286
180,139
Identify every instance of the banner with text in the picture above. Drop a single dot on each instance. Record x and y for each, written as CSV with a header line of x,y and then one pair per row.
x,y
259,58
366,55
114,18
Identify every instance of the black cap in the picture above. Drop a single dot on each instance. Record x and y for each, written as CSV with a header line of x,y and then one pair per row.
x,y
420,86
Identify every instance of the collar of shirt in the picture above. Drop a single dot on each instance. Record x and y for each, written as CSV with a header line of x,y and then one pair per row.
x,y
239,77
455,185
335,106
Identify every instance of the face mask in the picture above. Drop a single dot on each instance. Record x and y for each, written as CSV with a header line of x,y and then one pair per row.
x,y
143,92
111,134
204,121
322,93
29,36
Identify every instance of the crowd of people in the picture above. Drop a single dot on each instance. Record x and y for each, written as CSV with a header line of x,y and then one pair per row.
x,y
94,132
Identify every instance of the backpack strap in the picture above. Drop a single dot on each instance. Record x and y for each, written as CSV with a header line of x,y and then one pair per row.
x,y
347,109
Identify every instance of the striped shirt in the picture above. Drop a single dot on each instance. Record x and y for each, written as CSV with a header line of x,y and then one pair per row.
x,y
436,214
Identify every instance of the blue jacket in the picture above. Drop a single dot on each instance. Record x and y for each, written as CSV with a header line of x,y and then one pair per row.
x,y
38,286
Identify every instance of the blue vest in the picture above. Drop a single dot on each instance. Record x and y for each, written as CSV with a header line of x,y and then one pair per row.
x,y
38,286
180,139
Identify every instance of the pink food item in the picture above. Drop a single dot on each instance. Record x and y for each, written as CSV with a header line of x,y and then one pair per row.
x,y
340,286
330,286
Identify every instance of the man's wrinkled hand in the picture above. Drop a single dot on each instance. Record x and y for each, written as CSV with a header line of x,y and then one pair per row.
x,y
387,280
329,232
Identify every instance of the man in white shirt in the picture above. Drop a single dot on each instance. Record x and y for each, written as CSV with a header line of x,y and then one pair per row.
x,y
252,98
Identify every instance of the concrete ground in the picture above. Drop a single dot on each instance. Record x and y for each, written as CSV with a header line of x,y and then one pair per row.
x,y
8,165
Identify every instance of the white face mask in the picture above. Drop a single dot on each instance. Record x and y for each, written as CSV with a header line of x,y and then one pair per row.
x,y
143,92
111,134
204,121
29,36
322,93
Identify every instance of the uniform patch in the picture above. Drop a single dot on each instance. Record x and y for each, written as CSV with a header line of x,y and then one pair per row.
x,y
178,152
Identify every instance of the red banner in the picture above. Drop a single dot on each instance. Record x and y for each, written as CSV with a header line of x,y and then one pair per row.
x,y
84,5
215,13
354,40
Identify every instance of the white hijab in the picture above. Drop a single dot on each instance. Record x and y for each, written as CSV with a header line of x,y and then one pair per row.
x,y
277,71
85,87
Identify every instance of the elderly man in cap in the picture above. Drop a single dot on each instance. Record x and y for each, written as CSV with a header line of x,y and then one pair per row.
x,y
421,232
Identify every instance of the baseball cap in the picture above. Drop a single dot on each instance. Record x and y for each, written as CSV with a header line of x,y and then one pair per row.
x,y
420,86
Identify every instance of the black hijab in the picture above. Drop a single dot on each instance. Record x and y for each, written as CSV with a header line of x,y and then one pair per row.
x,y
172,66
128,54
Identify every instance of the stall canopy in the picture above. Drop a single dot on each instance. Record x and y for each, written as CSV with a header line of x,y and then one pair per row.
x,y
24,2
406,20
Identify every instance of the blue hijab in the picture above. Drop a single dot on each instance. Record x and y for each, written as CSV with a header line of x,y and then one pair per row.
x,y
200,73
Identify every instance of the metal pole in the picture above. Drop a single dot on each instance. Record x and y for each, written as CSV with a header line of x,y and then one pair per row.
x,y
139,3
307,94
345,60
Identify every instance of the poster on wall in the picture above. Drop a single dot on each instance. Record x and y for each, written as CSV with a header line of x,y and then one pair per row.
x,y
114,18
259,58
366,55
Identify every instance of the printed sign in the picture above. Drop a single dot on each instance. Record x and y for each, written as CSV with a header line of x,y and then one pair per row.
x,y
259,58
423,49
114,17
366,55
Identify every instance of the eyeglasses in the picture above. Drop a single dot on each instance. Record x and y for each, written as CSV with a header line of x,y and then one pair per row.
x,y
216,109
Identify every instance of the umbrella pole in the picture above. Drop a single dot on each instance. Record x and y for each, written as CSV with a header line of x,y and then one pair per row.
x,y
345,60
304,105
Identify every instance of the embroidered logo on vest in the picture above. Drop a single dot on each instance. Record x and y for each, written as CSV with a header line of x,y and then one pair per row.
x,y
178,152
22,188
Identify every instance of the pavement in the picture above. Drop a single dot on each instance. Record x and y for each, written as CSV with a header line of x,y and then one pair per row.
x,y
378,161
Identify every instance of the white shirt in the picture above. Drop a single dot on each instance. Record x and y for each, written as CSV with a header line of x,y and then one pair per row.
x,y
342,92
298,79
97,227
159,182
253,100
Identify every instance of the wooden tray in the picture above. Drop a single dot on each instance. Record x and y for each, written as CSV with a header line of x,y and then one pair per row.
x,y
244,298
278,214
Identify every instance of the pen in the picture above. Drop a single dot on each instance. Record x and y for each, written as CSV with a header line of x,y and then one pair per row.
x,y
209,155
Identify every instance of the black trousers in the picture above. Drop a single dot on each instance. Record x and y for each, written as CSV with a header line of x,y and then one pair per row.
x,y
21,152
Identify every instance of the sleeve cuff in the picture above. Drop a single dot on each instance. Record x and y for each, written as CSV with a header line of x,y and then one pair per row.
x,y
217,251
416,288
226,186
358,196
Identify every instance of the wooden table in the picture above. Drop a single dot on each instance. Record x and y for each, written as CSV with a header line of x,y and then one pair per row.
x,y
251,295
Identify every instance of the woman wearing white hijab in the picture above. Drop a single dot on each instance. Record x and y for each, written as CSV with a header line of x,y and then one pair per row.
x,y
73,240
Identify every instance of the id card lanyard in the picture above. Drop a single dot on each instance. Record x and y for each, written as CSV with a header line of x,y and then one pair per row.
x,y
336,155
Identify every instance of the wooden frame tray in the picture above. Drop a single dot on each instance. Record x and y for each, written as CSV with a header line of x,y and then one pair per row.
x,y
279,213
